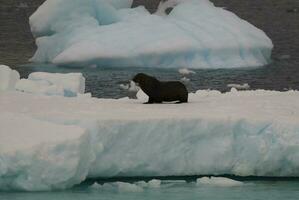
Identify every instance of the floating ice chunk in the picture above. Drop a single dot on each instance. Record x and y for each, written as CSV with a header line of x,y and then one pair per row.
x,y
95,186
8,78
155,183
118,187
185,71
132,87
244,86
72,83
36,155
185,79
142,184
218,181
124,86
128,187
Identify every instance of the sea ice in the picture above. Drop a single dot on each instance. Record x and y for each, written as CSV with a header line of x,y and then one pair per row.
x,y
54,142
195,34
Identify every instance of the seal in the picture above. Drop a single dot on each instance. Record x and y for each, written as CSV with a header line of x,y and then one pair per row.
x,y
159,91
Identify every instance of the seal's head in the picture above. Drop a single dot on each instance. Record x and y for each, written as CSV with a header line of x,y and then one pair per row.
x,y
142,79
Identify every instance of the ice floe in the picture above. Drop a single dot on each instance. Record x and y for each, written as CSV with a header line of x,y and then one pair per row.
x,y
54,142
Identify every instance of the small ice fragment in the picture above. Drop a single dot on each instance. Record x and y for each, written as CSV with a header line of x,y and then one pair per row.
x,y
128,187
155,183
185,71
218,181
185,79
244,86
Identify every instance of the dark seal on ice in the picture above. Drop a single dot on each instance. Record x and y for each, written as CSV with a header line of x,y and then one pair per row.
x,y
159,91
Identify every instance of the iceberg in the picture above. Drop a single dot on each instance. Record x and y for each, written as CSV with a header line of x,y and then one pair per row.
x,y
195,34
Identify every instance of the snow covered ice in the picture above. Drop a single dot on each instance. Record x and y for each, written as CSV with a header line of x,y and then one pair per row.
x,y
55,142
196,34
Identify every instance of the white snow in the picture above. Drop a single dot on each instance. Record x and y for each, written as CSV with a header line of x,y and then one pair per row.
x,y
109,33
218,182
8,78
54,142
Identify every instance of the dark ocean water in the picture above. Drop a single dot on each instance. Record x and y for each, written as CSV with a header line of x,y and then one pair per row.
x,y
278,19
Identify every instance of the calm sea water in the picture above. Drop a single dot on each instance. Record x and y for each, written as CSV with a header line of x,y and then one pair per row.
x,y
104,82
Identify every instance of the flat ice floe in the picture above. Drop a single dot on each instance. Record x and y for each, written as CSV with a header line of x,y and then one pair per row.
x,y
55,142
242,133
196,34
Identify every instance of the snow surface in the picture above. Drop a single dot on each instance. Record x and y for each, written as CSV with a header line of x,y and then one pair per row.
x,y
196,34
69,85
8,78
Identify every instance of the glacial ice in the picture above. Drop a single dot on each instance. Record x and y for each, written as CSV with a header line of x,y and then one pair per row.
x,y
54,142
196,34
